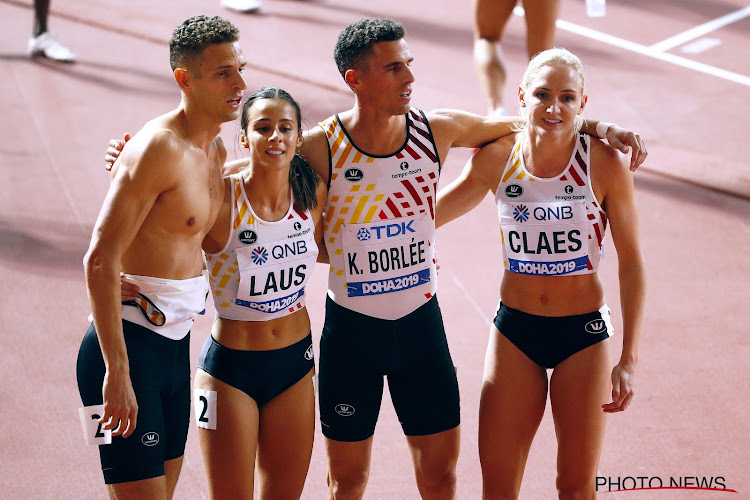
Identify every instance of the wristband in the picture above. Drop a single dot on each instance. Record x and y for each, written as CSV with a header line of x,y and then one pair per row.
x,y
601,129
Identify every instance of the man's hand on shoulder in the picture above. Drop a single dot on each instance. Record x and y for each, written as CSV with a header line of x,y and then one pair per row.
x,y
623,140
114,150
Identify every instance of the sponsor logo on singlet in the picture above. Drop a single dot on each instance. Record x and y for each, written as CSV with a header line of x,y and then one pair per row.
x,y
259,255
354,174
345,410
568,189
150,439
363,234
247,237
297,226
596,326
404,166
513,191
521,213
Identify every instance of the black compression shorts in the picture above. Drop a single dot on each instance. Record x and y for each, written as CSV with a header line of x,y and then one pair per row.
x,y
357,351
160,373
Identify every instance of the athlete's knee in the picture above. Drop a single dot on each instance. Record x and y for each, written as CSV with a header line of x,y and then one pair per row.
x,y
438,485
575,488
347,485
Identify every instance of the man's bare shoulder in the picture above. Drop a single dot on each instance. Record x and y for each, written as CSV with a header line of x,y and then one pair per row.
x,y
315,151
153,149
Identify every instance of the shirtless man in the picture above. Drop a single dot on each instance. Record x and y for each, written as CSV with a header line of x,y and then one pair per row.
x,y
165,193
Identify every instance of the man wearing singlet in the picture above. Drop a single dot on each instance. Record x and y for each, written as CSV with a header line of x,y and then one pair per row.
x,y
133,366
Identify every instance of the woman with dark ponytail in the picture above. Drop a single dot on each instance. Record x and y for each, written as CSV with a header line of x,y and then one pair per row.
x,y
254,397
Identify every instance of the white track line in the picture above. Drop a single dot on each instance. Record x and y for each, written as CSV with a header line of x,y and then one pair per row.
x,y
701,30
649,51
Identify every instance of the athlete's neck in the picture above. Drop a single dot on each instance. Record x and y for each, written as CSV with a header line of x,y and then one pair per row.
x,y
268,192
547,155
375,132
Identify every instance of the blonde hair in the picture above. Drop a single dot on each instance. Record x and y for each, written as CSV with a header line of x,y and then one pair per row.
x,y
548,58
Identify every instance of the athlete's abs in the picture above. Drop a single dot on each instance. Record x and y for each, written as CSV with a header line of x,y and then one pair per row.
x,y
262,335
552,295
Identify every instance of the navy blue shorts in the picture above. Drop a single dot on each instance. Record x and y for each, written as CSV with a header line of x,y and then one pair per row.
x,y
262,375
547,340
160,373
357,351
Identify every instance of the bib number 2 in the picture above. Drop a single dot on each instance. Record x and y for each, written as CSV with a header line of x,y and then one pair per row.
x,y
205,408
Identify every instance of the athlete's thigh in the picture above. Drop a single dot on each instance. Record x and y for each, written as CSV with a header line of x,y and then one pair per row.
x,y
350,390
154,488
514,394
229,450
579,387
490,18
541,16
425,396
285,440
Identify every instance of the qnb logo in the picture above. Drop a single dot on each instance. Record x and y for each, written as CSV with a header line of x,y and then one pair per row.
x,y
521,213
404,166
596,326
309,353
363,234
150,439
247,237
259,255
297,226
353,174
345,410
513,191
568,189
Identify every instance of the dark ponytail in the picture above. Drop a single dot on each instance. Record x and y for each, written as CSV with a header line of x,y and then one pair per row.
x,y
302,177
304,182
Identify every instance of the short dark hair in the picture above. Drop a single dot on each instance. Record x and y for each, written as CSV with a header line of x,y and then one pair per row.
x,y
356,41
194,34
302,177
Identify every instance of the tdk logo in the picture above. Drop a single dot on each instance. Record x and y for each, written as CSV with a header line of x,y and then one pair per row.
x,y
247,237
363,234
404,165
309,353
345,410
521,213
297,226
391,230
353,174
150,439
595,326
513,191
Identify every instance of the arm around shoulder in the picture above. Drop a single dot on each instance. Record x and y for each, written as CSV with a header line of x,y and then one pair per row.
x,y
481,175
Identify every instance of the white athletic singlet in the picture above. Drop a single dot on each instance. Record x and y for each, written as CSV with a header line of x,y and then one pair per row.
x,y
261,272
550,226
380,222
165,306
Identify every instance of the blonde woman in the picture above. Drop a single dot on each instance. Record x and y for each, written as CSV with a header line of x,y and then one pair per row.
x,y
556,191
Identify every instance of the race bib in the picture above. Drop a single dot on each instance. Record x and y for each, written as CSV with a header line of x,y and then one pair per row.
x,y
273,275
93,433
205,408
546,239
387,256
